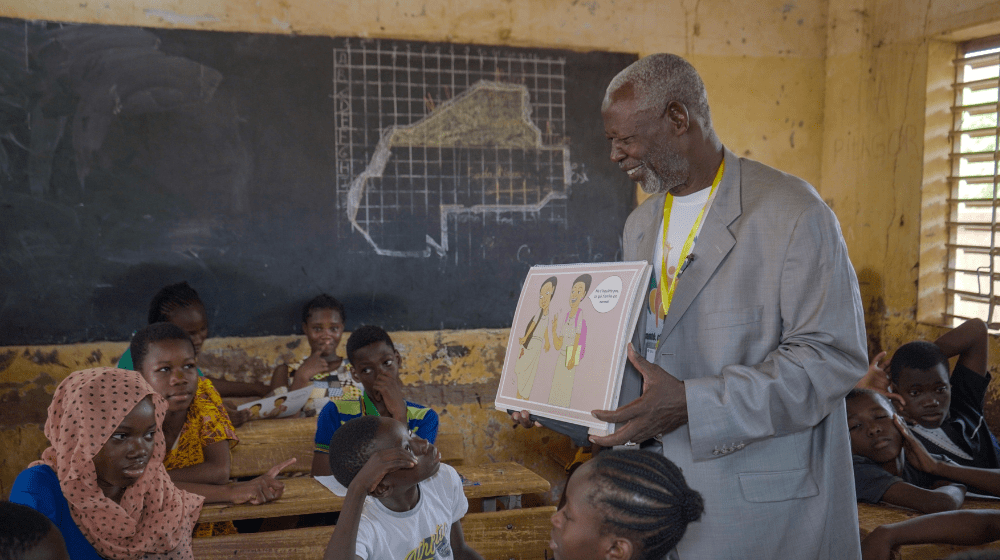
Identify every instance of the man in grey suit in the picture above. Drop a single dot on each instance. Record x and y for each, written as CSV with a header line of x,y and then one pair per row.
x,y
763,336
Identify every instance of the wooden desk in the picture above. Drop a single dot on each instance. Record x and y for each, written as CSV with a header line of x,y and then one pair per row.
x,y
265,443
507,535
305,495
871,516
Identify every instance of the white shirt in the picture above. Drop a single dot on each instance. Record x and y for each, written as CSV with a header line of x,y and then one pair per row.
x,y
683,214
424,532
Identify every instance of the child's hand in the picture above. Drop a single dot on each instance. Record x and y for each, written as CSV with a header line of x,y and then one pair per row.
x,y
389,389
262,489
916,453
315,364
877,379
237,417
381,464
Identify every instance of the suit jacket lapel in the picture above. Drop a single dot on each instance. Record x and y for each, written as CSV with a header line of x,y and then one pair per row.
x,y
714,243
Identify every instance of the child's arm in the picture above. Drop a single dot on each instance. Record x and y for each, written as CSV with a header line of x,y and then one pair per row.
x,y
969,341
228,388
946,498
459,547
917,455
312,366
969,527
260,490
279,377
214,470
343,543
878,380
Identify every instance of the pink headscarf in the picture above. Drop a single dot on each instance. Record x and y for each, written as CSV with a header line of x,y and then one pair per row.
x,y
155,519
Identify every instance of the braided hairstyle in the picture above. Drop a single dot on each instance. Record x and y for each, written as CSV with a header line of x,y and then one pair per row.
x,y
643,497
171,298
21,530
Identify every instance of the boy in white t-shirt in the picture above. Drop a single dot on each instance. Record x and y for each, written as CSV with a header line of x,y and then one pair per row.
x,y
401,503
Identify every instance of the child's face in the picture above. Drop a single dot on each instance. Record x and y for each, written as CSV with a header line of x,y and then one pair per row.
x,y
52,547
576,294
873,433
170,369
545,295
373,360
578,527
927,393
194,322
323,330
395,434
124,457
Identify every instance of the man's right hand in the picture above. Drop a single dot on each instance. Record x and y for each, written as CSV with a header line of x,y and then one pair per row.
x,y
521,418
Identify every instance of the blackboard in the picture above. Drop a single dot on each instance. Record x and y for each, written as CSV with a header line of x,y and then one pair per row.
x,y
416,182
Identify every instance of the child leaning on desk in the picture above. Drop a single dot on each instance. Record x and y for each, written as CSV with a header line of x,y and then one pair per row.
x,y
375,362
401,501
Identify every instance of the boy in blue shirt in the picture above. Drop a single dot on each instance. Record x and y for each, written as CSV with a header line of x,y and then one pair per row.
x,y
375,362
401,501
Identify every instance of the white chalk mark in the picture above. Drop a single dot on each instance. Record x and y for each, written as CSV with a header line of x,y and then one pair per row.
x,y
178,19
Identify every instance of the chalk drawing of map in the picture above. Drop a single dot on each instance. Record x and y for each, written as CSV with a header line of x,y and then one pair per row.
x,y
433,145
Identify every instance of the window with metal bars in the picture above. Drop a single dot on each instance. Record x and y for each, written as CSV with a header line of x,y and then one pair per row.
x,y
973,266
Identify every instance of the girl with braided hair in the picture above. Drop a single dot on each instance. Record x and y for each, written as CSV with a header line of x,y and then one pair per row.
x,y
624,505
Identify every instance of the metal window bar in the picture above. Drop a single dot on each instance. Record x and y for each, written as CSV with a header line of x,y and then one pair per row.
x,y
967,225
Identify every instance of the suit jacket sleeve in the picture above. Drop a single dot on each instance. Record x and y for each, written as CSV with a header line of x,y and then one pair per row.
x,y
820,356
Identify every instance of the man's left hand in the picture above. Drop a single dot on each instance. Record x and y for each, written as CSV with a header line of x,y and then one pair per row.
x,y
661,409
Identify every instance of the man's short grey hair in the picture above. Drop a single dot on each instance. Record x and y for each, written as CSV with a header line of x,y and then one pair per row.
x,y
661,78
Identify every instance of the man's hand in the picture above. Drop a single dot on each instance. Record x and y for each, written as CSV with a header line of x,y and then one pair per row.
x,y
877,379
521,418
661,409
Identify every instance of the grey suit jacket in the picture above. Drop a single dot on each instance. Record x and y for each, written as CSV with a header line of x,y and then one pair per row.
x,y
767,332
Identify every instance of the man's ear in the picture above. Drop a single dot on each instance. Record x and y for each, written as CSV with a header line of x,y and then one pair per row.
x,y
620,549
677,116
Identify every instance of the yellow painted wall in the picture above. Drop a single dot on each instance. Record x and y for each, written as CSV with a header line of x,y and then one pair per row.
x,y
833,91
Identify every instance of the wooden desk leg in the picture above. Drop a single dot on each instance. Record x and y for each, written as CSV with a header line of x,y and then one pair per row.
x,y
509,502
489,504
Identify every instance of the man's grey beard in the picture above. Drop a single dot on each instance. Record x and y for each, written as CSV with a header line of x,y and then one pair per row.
x,y
678,172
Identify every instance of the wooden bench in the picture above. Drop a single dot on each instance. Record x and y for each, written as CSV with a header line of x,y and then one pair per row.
x,y
265,443
305,495
871,516
521,534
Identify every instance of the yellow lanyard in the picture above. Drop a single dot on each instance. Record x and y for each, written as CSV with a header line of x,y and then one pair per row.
x,y
667,286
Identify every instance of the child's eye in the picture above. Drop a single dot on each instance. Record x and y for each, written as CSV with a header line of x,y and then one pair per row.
x,y
189,366
853,427
164,369
942,389
388,362
118,436
150,435
914,393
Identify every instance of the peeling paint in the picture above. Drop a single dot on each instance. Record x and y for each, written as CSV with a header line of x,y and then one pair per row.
x,y
178,19
282,24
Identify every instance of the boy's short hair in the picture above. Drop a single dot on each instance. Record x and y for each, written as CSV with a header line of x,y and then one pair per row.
x,y
323,301
860,392
351,446
916,355
169,299
157,332
21,529
366,335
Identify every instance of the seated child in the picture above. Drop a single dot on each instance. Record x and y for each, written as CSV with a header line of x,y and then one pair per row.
x,y
180,304
626,505
416,502
196,427
26,534
376,365
323,324
946,412
892,466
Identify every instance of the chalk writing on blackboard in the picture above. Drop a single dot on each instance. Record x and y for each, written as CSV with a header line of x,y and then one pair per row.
x,y
432,141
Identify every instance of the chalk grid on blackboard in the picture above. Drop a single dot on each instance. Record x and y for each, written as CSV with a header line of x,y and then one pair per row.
x,y
434,143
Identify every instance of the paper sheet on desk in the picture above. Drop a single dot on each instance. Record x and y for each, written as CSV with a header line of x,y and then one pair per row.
x,y
332,485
